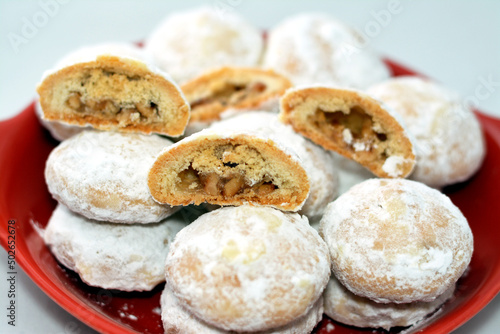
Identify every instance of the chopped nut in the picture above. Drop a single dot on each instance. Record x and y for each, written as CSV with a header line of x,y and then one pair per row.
x,y
234,185
265,189
188,179
74,101
211,184
110,107
145,110
259,87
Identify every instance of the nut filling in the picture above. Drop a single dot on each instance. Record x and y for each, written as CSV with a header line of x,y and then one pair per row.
x,y
212,184
229,95
108,109
354,131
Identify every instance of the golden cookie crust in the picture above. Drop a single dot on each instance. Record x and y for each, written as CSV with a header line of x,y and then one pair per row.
x,y
228,170
110,92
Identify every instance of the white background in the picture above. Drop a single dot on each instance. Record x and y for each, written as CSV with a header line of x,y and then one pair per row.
x,y
455,42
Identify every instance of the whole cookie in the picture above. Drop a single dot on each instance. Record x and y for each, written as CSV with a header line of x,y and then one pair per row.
x,y
396,241
190,42
103,176
343,306
448,138
316,48
112,256
248,268
176,319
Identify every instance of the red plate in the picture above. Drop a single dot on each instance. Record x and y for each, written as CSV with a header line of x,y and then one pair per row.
x,y
24,198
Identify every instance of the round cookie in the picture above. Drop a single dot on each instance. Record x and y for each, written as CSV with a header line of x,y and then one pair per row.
x,y
188,43
396,240
248,268
176,319
343,306
103,176
448,138
112,256
315,48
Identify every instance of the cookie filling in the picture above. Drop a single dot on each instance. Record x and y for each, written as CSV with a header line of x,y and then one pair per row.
x,y
229,95
354,130
212,184
88,99
109,109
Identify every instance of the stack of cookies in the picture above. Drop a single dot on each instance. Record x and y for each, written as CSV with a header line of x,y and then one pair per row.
x,y
264,135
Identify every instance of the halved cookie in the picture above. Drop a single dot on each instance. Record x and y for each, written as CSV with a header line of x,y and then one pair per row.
x,y
233,88
111,92
228,165
352,124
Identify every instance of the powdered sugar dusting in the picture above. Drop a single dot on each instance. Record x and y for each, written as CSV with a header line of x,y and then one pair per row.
x,y
345,307
404,240
448,138
112,256
177,319
252,246
103,176
190,42
315,48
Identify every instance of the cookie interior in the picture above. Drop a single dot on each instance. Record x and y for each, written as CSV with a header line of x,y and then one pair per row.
x,y
114,93
352,125
214,92
229,171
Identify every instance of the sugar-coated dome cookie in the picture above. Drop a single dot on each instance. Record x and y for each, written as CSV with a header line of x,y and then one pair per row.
x,y
249,158
248,268
448,138
112,256
103,176
176,319
315,48
352,124
232,90
113,87
396,240
343,306
188,43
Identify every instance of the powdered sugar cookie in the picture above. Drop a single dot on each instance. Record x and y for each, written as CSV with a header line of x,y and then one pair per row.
x,y
113,91
103,176
343,306
248,268
111,256
233,89
315,48
352,124
176,319
448,138
188,43
396,241
249,158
